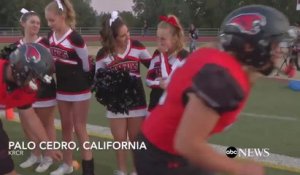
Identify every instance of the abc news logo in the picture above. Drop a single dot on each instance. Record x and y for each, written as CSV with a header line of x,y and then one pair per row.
x,y
232,152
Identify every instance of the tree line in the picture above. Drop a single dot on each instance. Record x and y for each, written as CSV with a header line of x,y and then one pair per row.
x,y
10,11
205,13
202,13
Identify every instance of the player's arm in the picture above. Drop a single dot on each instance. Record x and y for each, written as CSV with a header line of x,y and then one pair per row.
x,y
202,112
192,134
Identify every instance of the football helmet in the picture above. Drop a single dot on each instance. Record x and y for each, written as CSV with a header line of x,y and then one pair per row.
x,y
30,62
257,25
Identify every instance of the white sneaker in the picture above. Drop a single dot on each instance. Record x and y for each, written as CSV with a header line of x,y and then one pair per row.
x,y
31,160
44,165
118,172
63,169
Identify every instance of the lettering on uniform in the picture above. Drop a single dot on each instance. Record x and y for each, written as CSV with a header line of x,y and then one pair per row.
x,y
128,65
59,53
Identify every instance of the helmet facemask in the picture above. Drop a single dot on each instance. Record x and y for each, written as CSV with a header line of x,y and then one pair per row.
x,y
30,64
25,77
262,54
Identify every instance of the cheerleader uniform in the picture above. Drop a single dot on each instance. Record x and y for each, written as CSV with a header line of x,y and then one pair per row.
x,y
155,73
72,66
130,60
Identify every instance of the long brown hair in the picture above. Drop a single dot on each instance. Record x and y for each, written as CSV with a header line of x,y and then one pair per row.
x,y
68,11
109,33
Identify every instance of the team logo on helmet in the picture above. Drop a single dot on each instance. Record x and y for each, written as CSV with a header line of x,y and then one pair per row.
x,y
249,23
32,54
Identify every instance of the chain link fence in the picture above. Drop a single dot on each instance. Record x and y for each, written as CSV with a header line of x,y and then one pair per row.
x,y
134,31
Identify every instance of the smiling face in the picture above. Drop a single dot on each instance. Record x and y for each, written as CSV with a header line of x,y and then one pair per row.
x,y
165,40
31,25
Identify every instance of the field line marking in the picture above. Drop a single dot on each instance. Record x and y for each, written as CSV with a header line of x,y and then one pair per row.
x,y
269,116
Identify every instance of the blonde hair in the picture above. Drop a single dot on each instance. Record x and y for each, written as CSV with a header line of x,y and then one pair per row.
x,y
68,11
176,31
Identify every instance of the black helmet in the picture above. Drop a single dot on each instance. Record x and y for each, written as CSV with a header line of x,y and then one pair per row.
x,y
257,25
29,62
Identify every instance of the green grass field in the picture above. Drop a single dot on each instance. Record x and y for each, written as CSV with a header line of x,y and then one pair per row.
x,y
269,97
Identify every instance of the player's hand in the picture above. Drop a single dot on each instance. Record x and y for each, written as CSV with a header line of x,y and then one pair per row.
x,y
251,169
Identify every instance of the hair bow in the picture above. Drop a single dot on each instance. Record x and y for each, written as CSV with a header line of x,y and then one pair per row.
x,y
24,11
113,17
59,4
171,20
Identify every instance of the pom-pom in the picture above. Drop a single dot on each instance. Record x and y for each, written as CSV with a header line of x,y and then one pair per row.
x,y
7,50
116,89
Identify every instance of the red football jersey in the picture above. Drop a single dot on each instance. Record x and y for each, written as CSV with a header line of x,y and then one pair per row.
x,y
160,127
18,97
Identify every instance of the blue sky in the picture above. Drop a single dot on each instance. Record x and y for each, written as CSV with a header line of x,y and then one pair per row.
x,y
110,5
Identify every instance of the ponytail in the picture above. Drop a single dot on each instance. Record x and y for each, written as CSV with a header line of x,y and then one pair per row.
x,y
64,7
109,32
